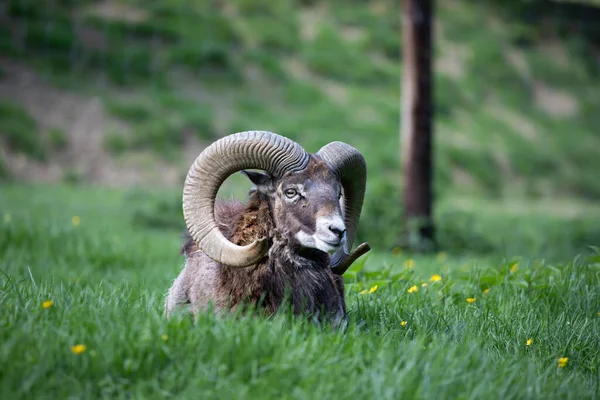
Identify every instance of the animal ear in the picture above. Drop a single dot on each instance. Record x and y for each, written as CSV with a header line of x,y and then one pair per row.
x,y
258,178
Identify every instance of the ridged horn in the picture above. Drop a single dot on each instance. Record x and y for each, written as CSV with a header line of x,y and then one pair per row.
x,y
263,150
350,167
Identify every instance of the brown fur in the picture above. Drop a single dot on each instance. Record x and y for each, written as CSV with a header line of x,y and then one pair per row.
x,y
311,286
303,276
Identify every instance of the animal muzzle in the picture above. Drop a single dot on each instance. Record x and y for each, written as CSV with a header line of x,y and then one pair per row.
x,y
330,233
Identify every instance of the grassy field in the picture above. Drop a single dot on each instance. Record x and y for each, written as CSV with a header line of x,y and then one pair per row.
x,y
94,91
83,277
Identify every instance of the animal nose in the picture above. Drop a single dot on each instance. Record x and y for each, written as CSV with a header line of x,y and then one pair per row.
x,y
337,231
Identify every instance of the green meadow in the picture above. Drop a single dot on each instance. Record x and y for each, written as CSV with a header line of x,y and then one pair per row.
x,y
83,284
103,105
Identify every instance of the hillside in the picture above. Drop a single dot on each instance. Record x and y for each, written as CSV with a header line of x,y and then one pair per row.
x,y
128,92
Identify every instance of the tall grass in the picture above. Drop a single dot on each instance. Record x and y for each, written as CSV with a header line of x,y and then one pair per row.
x,y
411,334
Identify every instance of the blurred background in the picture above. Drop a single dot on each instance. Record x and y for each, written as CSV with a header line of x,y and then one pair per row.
x,y
124,94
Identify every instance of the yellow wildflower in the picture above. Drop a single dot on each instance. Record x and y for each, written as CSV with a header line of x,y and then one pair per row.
x,y
164,337
471,300
396,251
410,263
514,268
78,348
529,341
75,220
562,362
374,288
486,291
441,257
423,284
47,304
435,278
413,289
364,291
7,218
403,323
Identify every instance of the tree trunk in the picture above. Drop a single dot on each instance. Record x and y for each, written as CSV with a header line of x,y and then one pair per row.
x,y
417,127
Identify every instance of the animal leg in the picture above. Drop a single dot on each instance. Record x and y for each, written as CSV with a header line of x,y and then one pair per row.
x,y
176,297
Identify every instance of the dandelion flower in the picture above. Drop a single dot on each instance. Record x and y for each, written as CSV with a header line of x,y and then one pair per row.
x,y
413,289
424,284
514,268
7,218
486,291
364,291
410,263
562,362
435,278
75,220
529,341
471,300
47,304
441,257
78,348
374,288
164,337
403,323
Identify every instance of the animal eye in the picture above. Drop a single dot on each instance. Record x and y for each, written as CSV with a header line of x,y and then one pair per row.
x,y
290,192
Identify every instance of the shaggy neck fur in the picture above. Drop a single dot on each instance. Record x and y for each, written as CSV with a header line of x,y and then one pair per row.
x,y
302,274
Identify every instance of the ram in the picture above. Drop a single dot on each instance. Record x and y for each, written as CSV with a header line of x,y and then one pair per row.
x,y
290,240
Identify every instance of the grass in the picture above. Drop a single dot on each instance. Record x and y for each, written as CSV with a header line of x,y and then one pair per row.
x,y
165,136
4,171
106,278
173,70
20,133
18,130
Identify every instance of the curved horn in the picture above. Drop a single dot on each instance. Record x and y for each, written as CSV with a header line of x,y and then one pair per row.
x,y
350,166
244,150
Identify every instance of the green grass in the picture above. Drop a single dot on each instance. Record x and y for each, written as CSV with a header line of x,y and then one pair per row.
x,y
19,131
4,171
107,277
57,139
166,135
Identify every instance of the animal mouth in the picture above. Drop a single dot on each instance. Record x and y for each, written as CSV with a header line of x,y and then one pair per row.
x,y
334,243
328,245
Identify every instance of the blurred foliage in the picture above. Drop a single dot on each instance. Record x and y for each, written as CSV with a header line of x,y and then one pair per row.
x,y
160,214
536,18
329,55
166,135
324,70
72,177
57,139
5,174
18,129
551,237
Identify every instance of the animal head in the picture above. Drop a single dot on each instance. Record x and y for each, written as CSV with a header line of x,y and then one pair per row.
x,y
306,205
316,198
